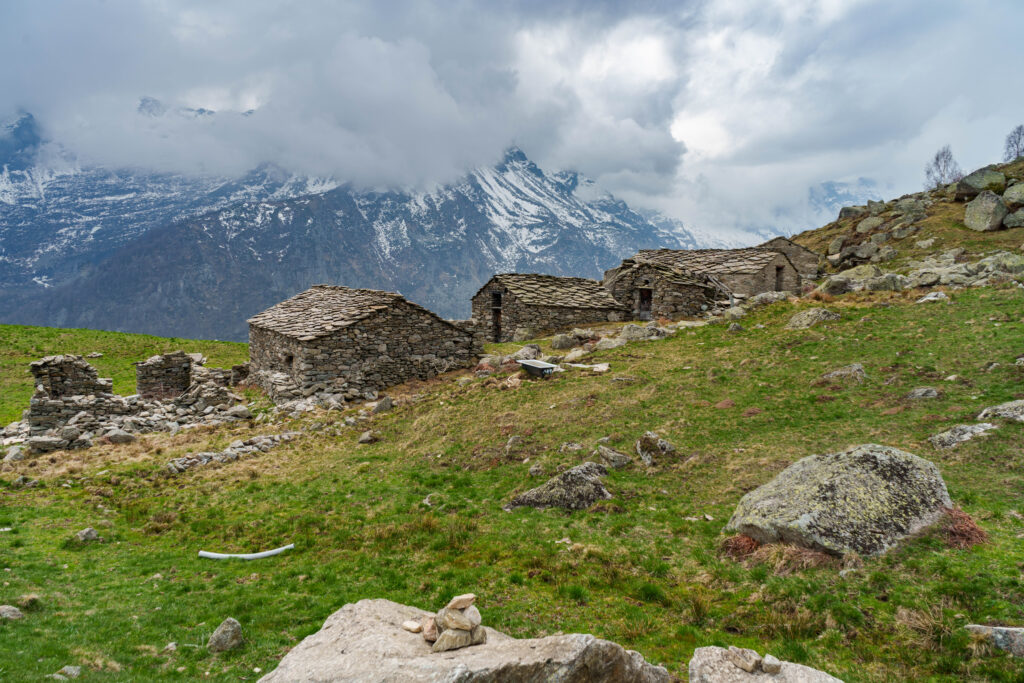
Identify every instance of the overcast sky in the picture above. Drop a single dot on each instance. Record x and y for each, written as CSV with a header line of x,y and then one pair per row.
x,y
719,113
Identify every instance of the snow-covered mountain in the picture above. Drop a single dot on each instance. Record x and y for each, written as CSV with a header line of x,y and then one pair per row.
x,y
187,256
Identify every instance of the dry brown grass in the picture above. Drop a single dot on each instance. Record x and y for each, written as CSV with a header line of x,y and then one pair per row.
x,y
739,547
961,531
789,559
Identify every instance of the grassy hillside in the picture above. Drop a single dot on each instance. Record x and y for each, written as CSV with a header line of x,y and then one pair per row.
x,y
944,222
644,569
20,345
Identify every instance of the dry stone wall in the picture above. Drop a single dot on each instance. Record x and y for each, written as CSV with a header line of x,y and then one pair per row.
x,y
668,299
68,375
359,360
540,319
764,280
164,376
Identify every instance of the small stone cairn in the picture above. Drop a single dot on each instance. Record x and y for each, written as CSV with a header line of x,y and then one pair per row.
x,y
456,625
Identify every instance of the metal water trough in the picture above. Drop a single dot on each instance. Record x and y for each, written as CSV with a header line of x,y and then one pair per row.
x,y
537,368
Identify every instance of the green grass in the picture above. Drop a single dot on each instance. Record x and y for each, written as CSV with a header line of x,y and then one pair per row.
x,y
20,345
636,570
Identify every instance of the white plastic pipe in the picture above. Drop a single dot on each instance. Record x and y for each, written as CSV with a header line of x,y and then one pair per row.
x,y
245,556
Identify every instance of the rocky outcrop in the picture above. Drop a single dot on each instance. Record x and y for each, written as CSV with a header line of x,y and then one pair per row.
x,y
365,641
983,179
863,500
1011,410
848,373
651,447
733,665
574,489
1003,637
236,450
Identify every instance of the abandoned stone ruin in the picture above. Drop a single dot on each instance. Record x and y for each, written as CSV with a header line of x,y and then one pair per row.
x,y
72,406
344,343
540,303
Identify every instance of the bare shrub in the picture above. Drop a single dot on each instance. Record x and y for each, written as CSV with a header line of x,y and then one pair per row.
x,y
961,531
942,169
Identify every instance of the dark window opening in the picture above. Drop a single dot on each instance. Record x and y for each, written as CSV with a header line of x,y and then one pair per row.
x,y
779,272
495,299
496,323
288,359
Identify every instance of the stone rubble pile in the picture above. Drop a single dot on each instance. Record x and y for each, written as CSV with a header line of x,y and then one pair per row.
x,y
72,408
236,450
456,625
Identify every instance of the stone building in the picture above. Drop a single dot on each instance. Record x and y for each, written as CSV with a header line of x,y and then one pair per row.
x,y
166,376
654,290
803,259
541,303
350,342
68,375
742,272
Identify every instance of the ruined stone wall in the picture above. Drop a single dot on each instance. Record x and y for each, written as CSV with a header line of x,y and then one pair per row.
x,y
669,299
749,284
164,376
805,261
540,319
391,347
68,375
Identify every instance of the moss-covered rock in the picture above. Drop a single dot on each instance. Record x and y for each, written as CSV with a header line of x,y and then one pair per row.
x,y
575,489
861,500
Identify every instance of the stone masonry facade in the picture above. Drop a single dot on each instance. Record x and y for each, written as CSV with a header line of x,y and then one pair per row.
x,y
164,376
668,294
351,343
67,375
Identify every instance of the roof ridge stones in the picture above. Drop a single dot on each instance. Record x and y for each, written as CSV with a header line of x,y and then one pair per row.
x,y
554,290
324,309
709,261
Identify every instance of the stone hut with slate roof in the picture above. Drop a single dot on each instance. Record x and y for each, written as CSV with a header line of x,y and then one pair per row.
x,y
541,303
350,342
741,272
653,290
803,259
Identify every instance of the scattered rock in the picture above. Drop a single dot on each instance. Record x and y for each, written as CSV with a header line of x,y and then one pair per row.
x,y
236,450
836,284
94,354
957,435
1011,410
613,458
536,471
429,629
10,613
923,392
734,313
119,436
454,639
985,213
765,299
717,665
925,244
744,658
528,352
863,500
369,436
383,405
1015,219
848,373
810,318
633,332
1003,637
1014,197
725,403
575,489
562,342
869,224
577,354
365,642
770,665
651,446
735,327
522,334
15,453
513,444
228,636
461,601
239,412
87,535
932,297
70,671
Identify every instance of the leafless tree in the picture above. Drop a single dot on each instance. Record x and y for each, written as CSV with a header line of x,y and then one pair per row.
x,y
1014,144
942,170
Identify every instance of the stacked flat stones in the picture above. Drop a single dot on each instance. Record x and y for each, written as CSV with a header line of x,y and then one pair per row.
x,y
456,625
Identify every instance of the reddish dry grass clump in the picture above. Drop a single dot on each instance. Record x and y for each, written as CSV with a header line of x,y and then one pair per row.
x,y
823,297
961,531
739,547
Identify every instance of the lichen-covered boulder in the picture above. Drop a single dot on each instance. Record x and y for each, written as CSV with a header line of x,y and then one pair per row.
x,y
810,318
985,212
953,437
863,500
365,641
1011,410
983,179
574,489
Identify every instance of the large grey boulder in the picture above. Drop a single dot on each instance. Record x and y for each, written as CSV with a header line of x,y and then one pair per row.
x,y
869,224
719,665
633,332
863,500
1015,219
561,342
365,642
985,212
953,437
1004,637
574,489
1014,196
983,179
810,318
228,636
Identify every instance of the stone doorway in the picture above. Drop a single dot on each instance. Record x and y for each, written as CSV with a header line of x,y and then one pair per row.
x,y
496,316
779,273
646,300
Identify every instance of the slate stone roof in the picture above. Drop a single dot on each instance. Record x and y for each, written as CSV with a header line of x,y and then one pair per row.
x,y
709,261
776,240
670,274
322,309
551,290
